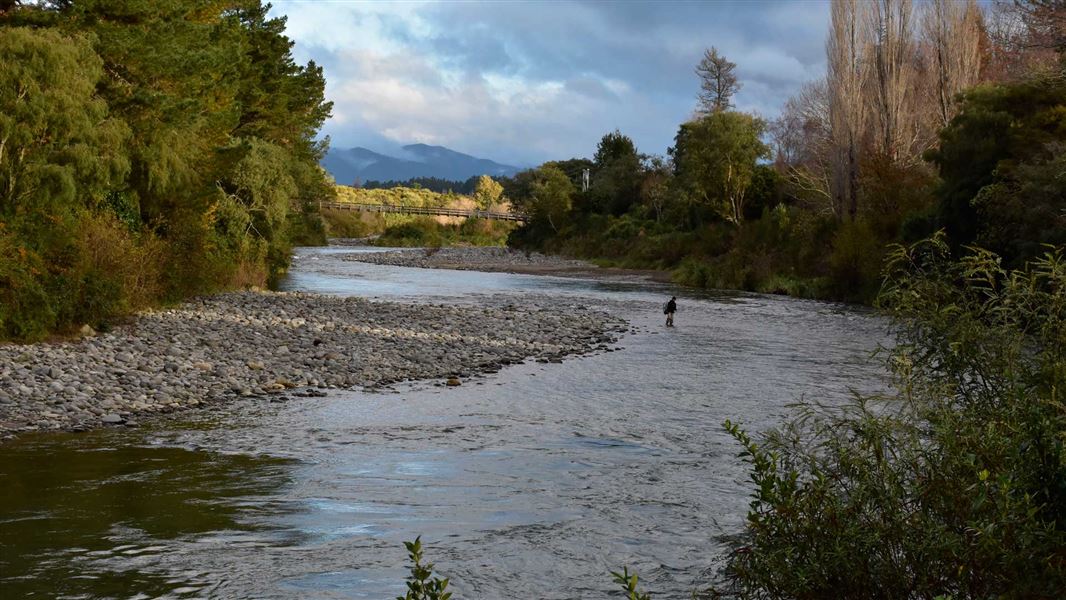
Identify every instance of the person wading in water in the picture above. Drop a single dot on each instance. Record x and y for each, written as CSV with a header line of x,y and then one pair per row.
x,y
669,310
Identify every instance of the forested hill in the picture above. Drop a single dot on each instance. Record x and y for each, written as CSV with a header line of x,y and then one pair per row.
x,y
418,161
149,150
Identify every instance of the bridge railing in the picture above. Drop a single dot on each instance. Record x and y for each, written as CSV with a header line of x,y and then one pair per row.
x,y
426,210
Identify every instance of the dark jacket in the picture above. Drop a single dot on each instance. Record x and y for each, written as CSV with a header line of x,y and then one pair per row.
x,y
671,307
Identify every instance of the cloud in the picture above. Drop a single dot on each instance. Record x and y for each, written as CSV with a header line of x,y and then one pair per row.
x,y
529,82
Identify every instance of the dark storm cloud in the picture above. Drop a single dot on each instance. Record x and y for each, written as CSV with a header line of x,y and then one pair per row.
x,y
533,81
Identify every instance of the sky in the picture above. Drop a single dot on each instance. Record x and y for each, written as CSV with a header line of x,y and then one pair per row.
x,y
526,82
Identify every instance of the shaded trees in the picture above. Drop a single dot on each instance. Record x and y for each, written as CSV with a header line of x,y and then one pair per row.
x,y
998,161
616,174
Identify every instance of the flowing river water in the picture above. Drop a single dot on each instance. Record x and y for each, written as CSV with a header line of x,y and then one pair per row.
x,y
534,482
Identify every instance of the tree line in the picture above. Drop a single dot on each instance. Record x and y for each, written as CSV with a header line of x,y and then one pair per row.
x,y
149,150
433,184
935,115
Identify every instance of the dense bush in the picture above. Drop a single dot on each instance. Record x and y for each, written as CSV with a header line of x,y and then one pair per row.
x,y
352,224
953,487
183,167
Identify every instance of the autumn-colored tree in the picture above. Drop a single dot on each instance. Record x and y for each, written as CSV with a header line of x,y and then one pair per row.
x,y
892,76
951,32
847,74
487,192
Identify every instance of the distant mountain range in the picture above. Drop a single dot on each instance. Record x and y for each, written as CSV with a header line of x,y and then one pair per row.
x,y
420,160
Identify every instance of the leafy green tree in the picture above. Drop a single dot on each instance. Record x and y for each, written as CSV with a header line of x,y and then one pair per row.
x,y
764,193
616,175
59,148
60,155
1003,136
178,130
1025,210
487,191
551,196
715,159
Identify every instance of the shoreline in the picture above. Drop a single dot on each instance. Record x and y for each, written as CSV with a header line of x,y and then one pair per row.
x,y
493,259
268,344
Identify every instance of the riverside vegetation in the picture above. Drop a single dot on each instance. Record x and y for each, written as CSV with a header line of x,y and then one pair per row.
x,y
140,165
398,230
149,151
939,116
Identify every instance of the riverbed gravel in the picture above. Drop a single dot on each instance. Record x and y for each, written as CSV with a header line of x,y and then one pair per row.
x,y
274,345
473,259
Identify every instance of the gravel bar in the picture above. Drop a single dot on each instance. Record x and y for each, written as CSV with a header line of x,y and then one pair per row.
x,y
267,344
473,259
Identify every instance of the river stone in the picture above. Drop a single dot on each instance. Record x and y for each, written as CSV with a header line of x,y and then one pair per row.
x,y
112,419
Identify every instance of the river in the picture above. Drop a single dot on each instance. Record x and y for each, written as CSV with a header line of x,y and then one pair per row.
x,y
534,482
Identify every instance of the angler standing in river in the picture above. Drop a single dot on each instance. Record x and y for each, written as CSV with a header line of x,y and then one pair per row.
x,y
669,310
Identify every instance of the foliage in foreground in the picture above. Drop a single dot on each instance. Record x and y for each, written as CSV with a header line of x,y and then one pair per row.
x,y
422,585
954,486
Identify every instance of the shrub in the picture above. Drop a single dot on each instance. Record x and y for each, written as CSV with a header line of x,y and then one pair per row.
x,y
26,311
855,262
351,224
956,485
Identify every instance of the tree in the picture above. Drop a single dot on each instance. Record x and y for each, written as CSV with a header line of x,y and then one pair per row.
x,y
718,82
59,147
655,186
804,148
487,192
846,76
715,158
893,59
1006,138
179,131
551,196
616,174
952,31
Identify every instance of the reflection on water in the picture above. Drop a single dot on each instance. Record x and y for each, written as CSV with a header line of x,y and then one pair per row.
x,y
533,482
93,515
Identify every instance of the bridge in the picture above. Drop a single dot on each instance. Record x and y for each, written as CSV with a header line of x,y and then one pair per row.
x,y
426,210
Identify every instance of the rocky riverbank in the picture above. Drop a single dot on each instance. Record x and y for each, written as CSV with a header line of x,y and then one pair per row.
x,y
264,343
500,260
474,259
